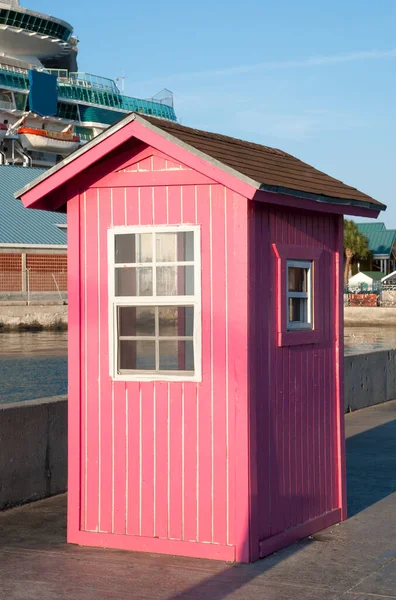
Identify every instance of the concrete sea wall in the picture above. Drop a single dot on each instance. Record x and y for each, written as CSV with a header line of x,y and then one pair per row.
x,y
51,314
18,316
366,316
369,379
33,450
33,435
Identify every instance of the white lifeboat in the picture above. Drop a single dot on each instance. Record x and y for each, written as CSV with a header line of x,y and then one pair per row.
x,y
41,140
3,130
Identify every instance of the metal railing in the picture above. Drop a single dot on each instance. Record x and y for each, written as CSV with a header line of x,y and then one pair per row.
x,y
13,69
29,284
374,294
85,80
6,105
82,90
35,22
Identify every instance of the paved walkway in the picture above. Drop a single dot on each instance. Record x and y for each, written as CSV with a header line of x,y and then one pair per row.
x,y
353,561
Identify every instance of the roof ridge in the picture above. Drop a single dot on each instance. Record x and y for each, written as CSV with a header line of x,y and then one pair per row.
x,y
173,128
263,168
219,136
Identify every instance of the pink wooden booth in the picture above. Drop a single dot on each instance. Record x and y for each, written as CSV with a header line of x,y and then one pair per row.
x,y
206,341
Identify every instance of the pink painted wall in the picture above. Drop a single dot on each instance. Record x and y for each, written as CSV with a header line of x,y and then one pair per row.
x,y
251,458
159,463
296,448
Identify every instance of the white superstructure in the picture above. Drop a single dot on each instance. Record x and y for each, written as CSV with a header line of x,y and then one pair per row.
x,y
85,104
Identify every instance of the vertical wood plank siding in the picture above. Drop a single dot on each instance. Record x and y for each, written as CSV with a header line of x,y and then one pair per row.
x,y
293,388
227,467
158,458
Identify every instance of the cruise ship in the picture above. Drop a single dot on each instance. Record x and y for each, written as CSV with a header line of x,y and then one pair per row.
x,y
47,107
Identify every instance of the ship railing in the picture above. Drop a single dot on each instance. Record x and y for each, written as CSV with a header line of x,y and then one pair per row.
x,y
14,79
91,89
95,81
4,105
13,69
164,97
85,134
147,107
60,73
85,80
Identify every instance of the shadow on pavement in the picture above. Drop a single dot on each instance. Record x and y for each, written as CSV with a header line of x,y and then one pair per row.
x,y
371,466
371,476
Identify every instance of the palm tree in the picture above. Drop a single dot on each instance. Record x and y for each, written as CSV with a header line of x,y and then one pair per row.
x,y
355,244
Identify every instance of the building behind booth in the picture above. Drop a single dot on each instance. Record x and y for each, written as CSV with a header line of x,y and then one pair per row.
x,y
33,244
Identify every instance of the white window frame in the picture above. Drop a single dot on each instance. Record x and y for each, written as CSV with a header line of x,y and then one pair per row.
x,y
116,301
296,325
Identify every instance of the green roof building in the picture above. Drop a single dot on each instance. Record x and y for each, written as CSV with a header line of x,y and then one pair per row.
x,y
382,245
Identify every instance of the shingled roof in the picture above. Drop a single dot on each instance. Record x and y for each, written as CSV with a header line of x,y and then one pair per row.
x,y
272,169
261,167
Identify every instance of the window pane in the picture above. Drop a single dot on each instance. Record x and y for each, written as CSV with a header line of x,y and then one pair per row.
x,y
136,321
298,279
176,321
134,281
175,247
176,356
188,245
137,355
132,248
166,247
175,281
298,310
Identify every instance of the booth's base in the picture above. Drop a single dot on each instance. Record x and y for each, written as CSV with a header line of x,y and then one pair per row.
x,y
153,545
200,550
298,533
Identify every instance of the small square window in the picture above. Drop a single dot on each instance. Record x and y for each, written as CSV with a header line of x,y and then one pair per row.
x,y
299,295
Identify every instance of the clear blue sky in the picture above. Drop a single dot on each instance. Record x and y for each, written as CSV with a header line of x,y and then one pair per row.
x,y
317,79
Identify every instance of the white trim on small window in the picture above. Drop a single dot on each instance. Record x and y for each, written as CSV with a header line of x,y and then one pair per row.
x,y
300,299
151,276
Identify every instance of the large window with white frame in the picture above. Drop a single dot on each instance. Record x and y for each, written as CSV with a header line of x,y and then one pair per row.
x,y
155,303
299,295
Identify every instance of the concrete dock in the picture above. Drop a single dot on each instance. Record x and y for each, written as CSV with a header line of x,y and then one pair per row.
x,y
353,561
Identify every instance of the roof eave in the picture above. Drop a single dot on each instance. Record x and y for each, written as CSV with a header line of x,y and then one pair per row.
x,y
322,198
21,245
253,186
250,186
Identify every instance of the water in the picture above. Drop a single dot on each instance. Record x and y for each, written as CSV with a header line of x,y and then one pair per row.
x,y
359,340
32,365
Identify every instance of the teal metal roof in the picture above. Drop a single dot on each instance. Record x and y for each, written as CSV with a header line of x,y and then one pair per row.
x,y
19,225
369,227
380,241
